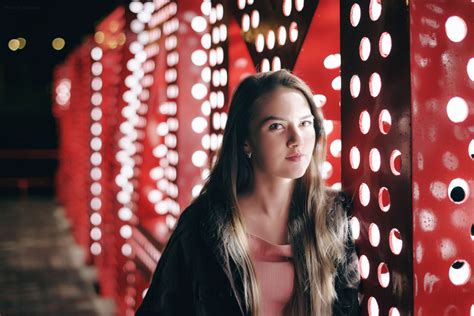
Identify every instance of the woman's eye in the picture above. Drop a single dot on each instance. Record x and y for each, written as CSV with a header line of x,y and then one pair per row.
x,y
276,126
307,123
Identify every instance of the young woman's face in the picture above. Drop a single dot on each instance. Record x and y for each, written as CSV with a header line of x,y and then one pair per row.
x,y
282,135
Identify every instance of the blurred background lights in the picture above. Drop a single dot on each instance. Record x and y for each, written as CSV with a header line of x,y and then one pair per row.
x,y
14,44
319,99
460,272
199,124
457,109
375,9
199,24
99,37
135,6
96,233
374,235
96,53
125,214
136,26
126,231
206,7
95,219
156,173
63,92
126,250
328,126
270,39
162,129
281,35
394,312
375,84
286,7
293,32
355,227
373,306
219,11
265,65
96,203
355,14
456,28
199,91
336,83
255,19
332,61
364,194
276,63
395,241
299,4
326,170
364,122
96,248
196,190
199,158
385,44
199,57
22,41
364,48
364,266
58,43
354,86
206,41
335,148
470,69
245,22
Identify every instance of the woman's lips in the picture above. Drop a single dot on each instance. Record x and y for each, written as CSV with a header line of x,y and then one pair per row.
x,y
296,158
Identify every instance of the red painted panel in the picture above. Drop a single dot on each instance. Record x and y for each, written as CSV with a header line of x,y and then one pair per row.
x,y
442,44
367,149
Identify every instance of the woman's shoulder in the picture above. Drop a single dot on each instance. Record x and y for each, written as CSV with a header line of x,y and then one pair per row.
x,y
193,215
201,217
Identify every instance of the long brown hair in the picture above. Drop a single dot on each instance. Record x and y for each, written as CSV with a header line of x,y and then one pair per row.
x,y
317,228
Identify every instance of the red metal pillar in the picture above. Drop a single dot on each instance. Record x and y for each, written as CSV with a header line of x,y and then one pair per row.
x,y
442,119
108,232
376,149
72,91
406,114
166,97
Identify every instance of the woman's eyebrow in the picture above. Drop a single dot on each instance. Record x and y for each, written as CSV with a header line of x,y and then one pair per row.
x,y
276,118
307,116
270,118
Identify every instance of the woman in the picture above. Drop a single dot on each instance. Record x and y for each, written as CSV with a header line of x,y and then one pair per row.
x,y
265,236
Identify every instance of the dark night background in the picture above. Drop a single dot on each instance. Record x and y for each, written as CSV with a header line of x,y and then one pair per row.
x,y
27,128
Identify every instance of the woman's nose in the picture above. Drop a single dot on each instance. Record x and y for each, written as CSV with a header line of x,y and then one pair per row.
x,y
295,138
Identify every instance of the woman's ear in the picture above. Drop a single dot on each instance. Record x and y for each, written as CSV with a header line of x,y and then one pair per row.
x,y
247,148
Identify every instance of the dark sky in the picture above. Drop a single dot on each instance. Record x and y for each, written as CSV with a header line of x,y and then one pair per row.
x,y
39,22
26,121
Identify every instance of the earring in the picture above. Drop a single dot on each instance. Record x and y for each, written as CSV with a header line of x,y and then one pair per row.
x,y
249,155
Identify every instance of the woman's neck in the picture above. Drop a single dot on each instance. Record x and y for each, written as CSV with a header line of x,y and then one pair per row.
x,y
265,209
271,199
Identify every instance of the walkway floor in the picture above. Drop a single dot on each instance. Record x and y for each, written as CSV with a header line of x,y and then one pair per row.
x,y
41,268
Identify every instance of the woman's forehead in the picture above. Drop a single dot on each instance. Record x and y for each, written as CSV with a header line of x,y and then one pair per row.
x,y
283,101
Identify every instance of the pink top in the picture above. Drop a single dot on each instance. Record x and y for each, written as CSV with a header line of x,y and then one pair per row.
x,y
275,274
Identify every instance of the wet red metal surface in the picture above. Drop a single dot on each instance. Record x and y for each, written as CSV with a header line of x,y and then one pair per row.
x,y
370,141
442,45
